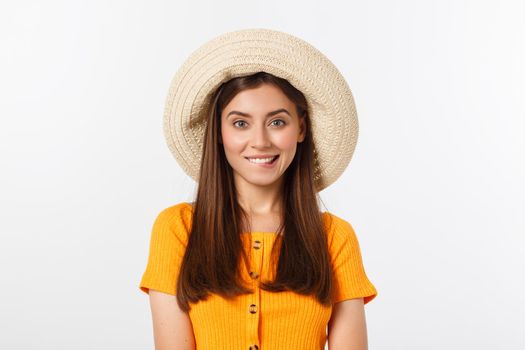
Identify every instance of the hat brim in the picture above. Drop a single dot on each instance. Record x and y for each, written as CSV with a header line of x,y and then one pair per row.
x,y
331,104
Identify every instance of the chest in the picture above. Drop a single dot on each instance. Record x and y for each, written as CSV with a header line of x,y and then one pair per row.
x,y
274,320
266,223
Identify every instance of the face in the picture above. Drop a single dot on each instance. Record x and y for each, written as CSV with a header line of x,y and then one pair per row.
x,y
257,124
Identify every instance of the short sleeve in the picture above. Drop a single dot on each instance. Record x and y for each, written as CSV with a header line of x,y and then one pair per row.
x,y
166,249
350,279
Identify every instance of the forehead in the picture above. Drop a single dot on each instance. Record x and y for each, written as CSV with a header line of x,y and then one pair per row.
x,y
263,97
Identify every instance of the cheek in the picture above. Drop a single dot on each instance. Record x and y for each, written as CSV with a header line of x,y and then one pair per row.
x,y
231,141
287,141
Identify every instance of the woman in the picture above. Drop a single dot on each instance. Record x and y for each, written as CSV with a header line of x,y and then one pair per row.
x,y
253,263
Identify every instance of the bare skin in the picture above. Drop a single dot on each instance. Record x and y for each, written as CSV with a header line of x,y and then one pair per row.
x,y
172,328
260,121
347,326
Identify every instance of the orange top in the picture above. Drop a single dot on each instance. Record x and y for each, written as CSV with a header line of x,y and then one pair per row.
x,y
284,320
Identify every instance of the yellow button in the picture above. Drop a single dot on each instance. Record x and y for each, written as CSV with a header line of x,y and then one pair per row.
x,y
257,244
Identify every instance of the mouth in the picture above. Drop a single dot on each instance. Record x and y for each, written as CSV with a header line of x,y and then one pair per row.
x,y
263,160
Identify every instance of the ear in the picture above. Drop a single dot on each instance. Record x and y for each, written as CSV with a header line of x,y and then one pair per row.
x,y
302,129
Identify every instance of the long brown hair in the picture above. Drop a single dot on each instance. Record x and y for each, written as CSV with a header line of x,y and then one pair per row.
x,y
214,249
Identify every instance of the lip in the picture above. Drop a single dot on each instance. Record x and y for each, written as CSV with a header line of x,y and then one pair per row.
x,y
265,165
262,156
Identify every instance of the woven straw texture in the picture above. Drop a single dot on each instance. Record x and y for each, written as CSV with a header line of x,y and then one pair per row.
x,y
331,105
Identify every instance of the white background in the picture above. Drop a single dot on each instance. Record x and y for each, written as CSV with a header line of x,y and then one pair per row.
x,y
435,190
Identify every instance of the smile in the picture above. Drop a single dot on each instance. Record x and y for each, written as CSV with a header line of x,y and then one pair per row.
x,y
269,160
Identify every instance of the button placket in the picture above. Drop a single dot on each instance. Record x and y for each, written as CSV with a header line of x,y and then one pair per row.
x,y
257,254
253,307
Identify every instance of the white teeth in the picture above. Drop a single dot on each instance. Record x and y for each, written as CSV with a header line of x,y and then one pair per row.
x,y
261,160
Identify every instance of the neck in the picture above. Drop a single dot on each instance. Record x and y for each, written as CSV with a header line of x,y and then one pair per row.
x,y
259,200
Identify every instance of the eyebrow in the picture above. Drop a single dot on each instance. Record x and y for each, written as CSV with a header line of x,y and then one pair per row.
x,y
272,113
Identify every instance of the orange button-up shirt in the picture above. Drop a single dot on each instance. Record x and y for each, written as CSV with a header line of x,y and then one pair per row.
x,y
283,320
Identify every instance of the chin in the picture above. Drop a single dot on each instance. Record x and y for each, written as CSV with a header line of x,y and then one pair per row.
x,y
260,182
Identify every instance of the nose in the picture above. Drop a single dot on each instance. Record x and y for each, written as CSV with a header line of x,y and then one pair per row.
x,y
260,137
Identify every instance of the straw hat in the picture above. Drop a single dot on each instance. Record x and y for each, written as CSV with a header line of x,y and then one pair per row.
x,y
243,52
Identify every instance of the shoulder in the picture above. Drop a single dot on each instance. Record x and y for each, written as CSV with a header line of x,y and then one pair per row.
x,y
337,228
179,210
176,218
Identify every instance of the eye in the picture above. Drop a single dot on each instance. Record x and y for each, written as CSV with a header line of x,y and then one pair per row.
x,y
279,120
239,121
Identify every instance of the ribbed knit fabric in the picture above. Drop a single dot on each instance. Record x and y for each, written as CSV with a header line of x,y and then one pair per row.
x,y
272,321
